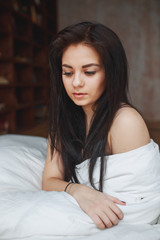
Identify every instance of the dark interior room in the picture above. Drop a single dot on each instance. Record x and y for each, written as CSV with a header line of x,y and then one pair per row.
x,y
80,119
26,28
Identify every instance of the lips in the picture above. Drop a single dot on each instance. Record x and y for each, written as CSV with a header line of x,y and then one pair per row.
x,y
79,95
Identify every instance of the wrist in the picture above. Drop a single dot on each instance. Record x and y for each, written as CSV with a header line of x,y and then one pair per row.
x,y
77,190
68,187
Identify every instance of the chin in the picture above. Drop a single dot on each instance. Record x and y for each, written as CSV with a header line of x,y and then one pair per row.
x,y
78,103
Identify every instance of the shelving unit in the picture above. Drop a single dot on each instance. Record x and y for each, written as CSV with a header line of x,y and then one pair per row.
x,y
26,28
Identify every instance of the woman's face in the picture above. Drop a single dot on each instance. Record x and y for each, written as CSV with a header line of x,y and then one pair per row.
x,y
83,75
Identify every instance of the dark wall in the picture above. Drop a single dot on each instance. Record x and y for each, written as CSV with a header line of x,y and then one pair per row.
x,y
137,23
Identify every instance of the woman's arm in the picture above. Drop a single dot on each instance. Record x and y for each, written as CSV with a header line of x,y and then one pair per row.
x,y
99,206
53,174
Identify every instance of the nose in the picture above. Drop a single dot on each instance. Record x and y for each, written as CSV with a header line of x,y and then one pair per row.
x,y
77,80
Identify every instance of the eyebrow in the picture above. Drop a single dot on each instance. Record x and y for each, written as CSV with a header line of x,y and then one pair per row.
x,y
84,66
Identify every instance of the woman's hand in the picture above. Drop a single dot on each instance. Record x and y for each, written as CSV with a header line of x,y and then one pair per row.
x,y
97,205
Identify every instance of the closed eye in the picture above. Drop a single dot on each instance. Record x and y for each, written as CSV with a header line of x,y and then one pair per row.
x,y
90,72
67,73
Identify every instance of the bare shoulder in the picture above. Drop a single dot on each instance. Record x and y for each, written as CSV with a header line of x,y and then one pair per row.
x,y
128,131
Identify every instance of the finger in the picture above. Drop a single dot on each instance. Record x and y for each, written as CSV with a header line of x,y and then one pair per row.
x,y
116,200
113,218
97,220
116,210
106,218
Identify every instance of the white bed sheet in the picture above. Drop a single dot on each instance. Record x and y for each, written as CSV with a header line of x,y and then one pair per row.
x,y
26,212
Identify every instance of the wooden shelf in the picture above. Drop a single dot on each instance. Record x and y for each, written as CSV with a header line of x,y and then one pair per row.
x,y
37,45
5,59
5,110
5,5
25,30
4,33
7,85
23,61
22,39
21,16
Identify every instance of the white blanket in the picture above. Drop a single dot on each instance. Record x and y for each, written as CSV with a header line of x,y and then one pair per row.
x,y
28,213
133,177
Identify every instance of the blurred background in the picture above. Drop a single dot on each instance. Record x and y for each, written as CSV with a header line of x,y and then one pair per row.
x,y
26,29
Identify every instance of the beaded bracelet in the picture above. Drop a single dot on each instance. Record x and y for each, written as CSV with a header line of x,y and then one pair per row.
x,y
67,186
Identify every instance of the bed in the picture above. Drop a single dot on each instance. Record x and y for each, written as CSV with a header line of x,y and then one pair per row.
x,y
27,212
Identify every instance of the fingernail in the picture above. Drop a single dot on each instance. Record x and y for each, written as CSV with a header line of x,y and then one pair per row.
x,y
123,201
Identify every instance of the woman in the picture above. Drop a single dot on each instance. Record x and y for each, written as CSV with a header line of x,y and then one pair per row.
x,y
90,116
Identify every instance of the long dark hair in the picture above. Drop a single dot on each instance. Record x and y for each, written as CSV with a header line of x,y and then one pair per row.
x,y
67,130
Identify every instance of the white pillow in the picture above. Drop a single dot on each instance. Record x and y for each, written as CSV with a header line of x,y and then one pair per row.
x,y
22,161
